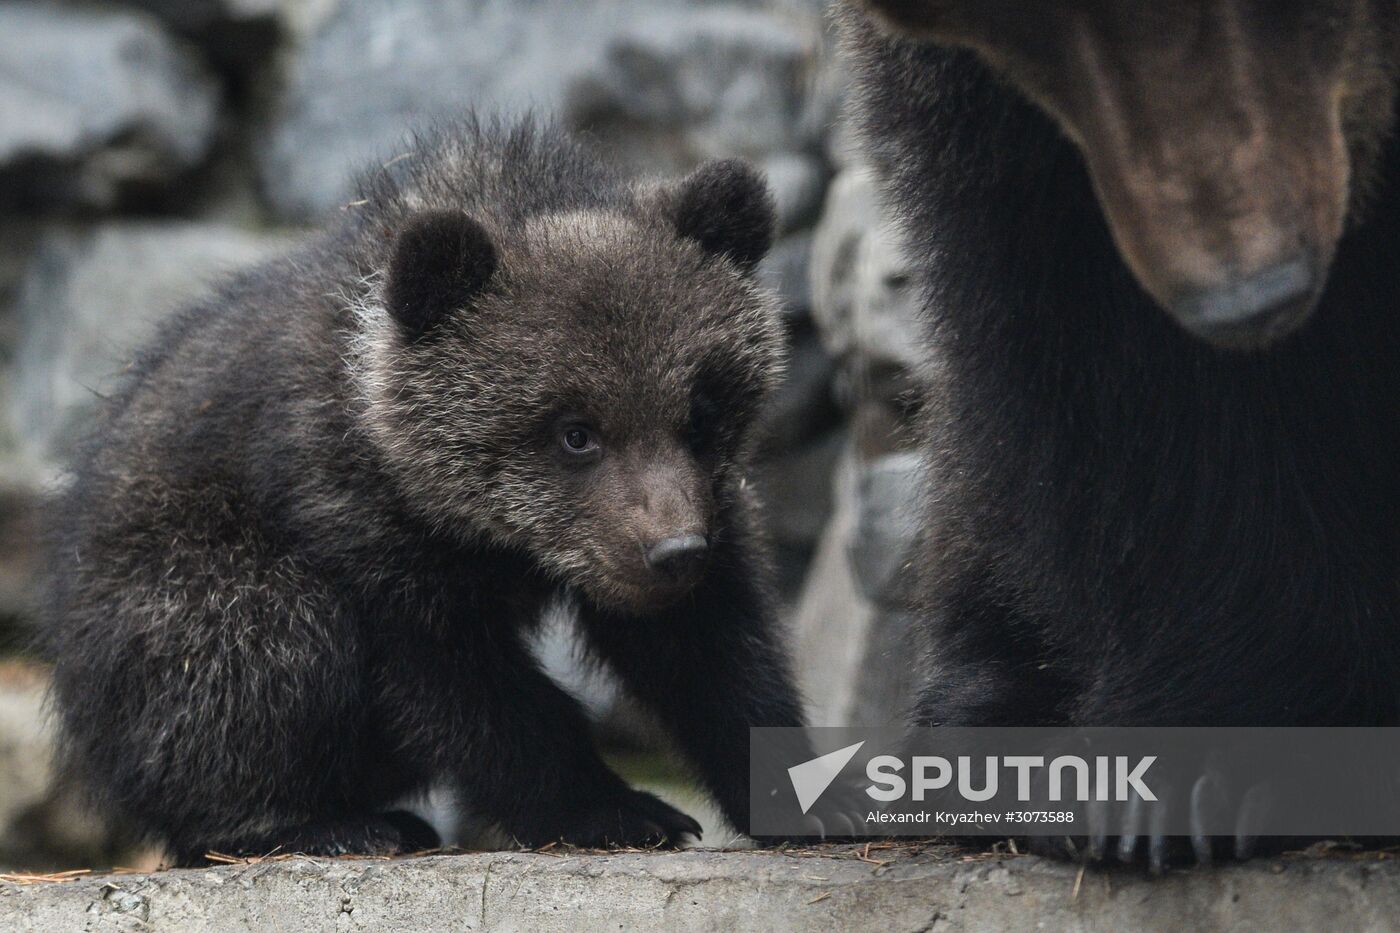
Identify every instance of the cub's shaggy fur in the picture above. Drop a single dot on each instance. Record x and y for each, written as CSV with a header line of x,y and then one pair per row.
x,y
294,574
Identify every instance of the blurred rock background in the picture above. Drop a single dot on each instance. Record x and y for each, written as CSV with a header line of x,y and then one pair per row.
x,y
148,146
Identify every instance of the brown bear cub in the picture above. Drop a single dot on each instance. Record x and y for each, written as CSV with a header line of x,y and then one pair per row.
x,y
296,569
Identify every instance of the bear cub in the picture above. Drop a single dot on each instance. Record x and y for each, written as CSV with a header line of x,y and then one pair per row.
x,y
295,571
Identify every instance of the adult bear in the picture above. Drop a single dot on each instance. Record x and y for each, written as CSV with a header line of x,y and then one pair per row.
x,y
1138,517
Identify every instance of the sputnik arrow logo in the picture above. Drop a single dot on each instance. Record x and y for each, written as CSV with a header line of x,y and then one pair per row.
x,y
811,778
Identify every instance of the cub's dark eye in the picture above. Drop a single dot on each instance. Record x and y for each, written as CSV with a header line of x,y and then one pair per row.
x,y
578,439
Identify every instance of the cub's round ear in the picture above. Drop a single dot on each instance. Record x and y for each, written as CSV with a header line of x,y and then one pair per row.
x,y
441,260
725,206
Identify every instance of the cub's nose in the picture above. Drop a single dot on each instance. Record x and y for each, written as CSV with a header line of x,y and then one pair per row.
x,y
677,555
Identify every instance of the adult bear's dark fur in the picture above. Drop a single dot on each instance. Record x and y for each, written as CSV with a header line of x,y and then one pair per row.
x,y
1127,525
297,565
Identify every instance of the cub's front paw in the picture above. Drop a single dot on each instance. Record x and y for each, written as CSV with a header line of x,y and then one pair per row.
x,y
631,819
394,833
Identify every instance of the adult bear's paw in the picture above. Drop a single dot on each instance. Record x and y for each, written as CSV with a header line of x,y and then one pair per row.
x,y
1133,834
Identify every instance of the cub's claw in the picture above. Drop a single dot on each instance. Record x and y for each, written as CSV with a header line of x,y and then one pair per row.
x,y
634,819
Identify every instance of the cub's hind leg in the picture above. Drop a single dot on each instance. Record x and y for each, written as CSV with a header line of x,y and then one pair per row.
x,y
209,693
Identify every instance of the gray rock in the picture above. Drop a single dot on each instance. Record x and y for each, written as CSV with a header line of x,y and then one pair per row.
x,y
19,530
852,653
887,525
886,686
93,101
829,888
850,214
690,84
18,239
801,438
827,107
887,325
200,15
796,491
787,270
43,825
802,409
25,770
662,82
843,147
18,496
863,296
798,183
93,296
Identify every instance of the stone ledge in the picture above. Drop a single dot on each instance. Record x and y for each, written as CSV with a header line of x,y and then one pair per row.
x,y
826,889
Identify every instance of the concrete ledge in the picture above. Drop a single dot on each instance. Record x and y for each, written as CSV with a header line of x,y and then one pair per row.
x,y
826,889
